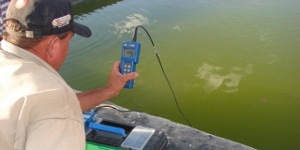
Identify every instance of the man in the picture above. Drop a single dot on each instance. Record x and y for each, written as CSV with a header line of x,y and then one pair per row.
x,y
38,110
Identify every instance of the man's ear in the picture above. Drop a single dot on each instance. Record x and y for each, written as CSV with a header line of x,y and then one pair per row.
x,y
52,47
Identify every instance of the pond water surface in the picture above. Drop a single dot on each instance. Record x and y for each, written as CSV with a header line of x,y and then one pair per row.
x,y
233,65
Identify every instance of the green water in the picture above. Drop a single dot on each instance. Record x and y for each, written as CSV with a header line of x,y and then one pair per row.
x,y
234,65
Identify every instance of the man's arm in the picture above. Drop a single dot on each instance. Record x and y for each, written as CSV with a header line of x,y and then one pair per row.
x,y
116,82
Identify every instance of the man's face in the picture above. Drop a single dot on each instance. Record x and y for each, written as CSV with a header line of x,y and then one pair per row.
x,y
63,50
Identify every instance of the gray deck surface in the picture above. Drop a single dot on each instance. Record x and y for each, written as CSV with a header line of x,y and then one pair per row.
x,y
180,137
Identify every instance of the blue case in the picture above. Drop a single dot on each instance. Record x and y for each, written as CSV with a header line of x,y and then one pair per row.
x,y
129,58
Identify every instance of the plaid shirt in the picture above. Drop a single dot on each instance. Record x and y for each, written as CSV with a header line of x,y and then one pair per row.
x,y
3,7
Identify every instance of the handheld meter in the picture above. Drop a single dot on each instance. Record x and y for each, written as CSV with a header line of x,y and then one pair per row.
x,y
129,58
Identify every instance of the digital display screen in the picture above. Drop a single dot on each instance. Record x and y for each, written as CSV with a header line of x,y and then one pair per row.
x,y
129,53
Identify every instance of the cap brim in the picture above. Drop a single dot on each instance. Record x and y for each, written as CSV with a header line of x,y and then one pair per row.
x,y
82,30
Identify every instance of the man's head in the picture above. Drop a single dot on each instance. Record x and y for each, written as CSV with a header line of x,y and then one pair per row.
x,y
44,17
43,27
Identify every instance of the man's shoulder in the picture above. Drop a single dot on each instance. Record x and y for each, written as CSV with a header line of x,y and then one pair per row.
x,y
20,65
30,76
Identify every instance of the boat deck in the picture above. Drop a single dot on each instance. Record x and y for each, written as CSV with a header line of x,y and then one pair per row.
x,y
180,137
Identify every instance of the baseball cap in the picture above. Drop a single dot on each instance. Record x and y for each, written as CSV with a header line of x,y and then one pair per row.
x,y
44,17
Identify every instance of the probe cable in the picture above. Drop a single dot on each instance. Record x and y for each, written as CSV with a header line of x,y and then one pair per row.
x,y
156,53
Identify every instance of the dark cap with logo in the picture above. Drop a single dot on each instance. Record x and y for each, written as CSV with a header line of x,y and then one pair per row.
x,y
44,17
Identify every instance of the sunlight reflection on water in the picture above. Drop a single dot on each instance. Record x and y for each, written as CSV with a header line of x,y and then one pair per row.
x,y
214,77
130,23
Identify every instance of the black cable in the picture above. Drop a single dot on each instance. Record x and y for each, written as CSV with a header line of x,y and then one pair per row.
x,y
115,108
157,56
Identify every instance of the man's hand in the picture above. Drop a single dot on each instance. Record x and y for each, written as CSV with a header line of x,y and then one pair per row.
x,y
115,84
117,81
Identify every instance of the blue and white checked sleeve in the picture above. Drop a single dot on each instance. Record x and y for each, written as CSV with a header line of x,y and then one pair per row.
x,y
3,8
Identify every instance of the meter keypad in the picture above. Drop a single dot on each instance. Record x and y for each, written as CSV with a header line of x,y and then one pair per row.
x,y
127,68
